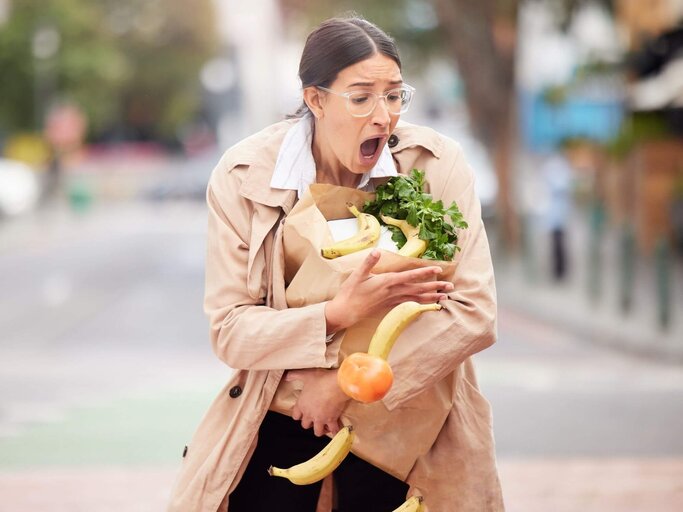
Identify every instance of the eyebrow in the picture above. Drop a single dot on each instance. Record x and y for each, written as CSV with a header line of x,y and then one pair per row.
x,y
370,84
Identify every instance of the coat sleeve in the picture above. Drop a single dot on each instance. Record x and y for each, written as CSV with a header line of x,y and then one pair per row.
x,y
245,334
439,342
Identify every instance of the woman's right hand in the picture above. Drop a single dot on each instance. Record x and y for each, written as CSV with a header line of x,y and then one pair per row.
x,y
363,293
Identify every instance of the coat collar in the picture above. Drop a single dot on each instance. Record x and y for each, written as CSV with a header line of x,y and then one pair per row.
x,y
259,152
260,156
411,136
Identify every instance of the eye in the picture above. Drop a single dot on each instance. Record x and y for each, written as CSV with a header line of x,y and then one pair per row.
x,y
394,96
359,98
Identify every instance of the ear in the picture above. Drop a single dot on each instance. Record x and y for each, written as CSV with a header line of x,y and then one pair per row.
x,y
313,99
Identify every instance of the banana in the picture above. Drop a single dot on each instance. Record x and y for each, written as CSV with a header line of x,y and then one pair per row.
x,y
367,235
319,466
393,323
413,504
414,246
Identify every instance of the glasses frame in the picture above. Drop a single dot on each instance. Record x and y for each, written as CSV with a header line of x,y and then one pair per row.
x,y
347,96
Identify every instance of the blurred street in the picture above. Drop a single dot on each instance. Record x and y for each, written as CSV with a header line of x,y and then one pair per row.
x,y
106,370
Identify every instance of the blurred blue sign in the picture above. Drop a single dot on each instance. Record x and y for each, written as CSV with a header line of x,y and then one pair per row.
x,y
544,125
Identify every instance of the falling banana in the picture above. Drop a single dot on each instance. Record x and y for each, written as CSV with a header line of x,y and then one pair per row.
x,y
367,235
393,323
319,466
414,246
413,504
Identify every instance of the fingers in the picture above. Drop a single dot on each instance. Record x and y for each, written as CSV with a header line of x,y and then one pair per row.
x,y
319,428
363,271
332,427
416,275
428,298
428,287
416,290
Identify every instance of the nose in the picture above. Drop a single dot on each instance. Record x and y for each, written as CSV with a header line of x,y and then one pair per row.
x,y
380,115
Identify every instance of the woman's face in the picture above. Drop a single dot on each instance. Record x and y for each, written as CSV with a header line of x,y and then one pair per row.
x,y
357,142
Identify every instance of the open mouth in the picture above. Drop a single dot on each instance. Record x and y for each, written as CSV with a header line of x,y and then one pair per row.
x,y
370,149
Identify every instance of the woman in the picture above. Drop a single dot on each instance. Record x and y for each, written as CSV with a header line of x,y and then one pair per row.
x,y
346,134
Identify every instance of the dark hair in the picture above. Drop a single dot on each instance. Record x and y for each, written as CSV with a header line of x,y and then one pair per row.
x,y
336,44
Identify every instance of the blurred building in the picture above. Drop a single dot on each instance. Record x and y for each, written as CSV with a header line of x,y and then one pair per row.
x,y
568,82
640,20
649,174
264,66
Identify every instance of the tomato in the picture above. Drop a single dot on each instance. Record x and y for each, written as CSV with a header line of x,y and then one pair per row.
x,y
364,377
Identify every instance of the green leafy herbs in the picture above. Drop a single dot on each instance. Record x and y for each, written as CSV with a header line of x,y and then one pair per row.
x,y
403,197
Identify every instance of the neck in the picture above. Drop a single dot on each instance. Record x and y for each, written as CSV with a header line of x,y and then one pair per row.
x,y
328,167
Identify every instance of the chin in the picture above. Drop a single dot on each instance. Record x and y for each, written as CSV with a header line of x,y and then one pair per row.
x,y
361,169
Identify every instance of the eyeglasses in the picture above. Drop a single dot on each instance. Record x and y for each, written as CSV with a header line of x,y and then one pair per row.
x,y
362,104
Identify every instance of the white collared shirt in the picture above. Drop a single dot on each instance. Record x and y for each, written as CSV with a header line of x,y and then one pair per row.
x,y
295,168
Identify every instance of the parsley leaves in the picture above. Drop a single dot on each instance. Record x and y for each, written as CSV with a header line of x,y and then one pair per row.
x,y
402,197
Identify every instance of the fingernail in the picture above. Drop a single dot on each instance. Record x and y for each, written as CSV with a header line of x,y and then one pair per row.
x,y
437,270
450,287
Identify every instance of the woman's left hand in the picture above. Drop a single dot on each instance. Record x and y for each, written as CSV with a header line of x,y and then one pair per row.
x,y
320,402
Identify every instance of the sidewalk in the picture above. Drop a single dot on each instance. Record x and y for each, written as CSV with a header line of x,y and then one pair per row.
x,y
558,485
524,285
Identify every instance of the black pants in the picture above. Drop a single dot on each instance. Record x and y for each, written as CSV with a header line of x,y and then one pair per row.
x,y
283,442
559,254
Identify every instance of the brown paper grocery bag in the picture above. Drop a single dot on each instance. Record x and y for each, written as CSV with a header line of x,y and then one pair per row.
x,y
313,279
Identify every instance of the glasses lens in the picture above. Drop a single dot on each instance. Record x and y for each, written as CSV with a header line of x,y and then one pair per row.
x,y
405,96
361,103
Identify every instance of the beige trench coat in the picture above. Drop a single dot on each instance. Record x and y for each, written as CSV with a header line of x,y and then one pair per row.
x,y
254,332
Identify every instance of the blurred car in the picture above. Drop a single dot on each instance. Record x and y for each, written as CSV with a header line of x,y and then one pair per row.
x,y
19,188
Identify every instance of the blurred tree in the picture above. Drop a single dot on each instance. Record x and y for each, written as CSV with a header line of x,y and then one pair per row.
x,y
165,43
43,45
481,37
132,65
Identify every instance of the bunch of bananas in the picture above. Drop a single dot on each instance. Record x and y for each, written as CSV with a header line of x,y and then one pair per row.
x,y
367,236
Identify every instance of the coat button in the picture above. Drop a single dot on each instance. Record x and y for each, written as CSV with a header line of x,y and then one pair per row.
x,y
184,451
393,140
235,391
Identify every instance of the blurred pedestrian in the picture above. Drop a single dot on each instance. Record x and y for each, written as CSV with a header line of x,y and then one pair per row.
x,y
345,133
558,176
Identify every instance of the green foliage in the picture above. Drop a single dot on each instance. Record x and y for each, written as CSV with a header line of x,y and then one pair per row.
x,y
127,63
638,127
403,197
